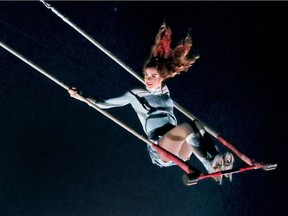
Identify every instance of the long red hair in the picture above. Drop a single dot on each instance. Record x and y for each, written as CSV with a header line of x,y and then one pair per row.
x,y
170,62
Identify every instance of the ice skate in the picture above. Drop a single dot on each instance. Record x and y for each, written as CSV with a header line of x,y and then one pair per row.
x,y
228,159
217,164
214,165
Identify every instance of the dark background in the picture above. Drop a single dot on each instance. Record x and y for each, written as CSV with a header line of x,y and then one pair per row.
x,y
60,157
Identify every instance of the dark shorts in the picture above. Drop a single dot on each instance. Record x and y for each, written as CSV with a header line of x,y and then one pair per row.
x,y
156,134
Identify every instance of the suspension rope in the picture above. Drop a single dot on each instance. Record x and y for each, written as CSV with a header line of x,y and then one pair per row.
x,y
176,105
185,167
98,45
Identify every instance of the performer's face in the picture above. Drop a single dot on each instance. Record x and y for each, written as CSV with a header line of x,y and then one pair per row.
x,y
152,78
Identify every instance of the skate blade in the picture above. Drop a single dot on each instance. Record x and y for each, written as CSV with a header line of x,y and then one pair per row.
x,y
229,176
219,179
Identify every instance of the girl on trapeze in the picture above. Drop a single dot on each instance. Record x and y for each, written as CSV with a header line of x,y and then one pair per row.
x,y
154,108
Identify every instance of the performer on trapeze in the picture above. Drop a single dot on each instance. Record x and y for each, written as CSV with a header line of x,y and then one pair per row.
x,y
154,108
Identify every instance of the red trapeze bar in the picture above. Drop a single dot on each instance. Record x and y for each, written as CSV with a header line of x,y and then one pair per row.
x,y
184,166
192,179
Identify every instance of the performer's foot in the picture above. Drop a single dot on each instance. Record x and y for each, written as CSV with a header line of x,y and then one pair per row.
x,y
217,164
228,164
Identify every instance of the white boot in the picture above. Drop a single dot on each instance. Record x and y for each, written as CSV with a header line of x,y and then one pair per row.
x,y
212,162
228,160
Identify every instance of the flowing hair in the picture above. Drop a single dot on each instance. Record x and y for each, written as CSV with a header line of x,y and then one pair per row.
x,y
170,62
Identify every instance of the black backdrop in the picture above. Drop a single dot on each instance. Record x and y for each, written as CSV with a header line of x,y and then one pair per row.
x,y
59,156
